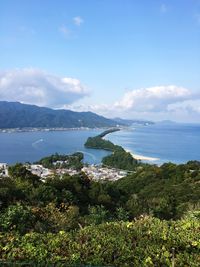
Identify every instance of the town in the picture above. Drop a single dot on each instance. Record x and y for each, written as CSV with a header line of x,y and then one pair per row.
x,y
94,172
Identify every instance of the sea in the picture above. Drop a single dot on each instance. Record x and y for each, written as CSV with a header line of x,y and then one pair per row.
x,y
32,146
165,142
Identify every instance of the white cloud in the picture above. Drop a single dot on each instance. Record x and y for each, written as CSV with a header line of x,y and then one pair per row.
x,y
153,99
192,106
103,109
35,86
78,21
155,103
163,8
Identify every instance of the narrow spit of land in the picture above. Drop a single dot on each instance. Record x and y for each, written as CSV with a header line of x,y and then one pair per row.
x,y
112,130
120,158
98,142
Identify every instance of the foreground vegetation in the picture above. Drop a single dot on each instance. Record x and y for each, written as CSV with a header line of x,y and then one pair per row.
x,y
135,221
144,242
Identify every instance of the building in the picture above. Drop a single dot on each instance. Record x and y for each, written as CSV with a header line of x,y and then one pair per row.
x,y
4,169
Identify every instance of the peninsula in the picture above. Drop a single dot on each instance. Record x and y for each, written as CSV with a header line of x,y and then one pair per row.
x,y
120,158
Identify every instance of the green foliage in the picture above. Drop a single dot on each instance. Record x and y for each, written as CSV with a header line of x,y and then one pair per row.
x,y
122,214
19,171
17,217
99,143
144,242
54,219
97,215
43,194
9,192
135,221
56,161
118,159
165,193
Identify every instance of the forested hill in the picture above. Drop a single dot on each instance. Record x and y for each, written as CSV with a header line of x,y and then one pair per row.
x,y
149,218
17,115
120,158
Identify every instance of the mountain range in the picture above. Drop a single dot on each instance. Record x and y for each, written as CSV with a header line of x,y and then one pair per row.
x,y
18,115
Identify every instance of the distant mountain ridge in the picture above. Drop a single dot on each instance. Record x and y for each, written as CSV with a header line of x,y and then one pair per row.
x,y
18,115
132,122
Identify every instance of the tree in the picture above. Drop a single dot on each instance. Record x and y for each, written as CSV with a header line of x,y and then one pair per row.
x,y
17,218
21,172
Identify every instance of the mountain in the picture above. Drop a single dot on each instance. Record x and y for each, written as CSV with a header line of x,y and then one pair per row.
x,y
17,115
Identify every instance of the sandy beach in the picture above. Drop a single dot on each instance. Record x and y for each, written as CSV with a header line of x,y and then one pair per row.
x,y
140,157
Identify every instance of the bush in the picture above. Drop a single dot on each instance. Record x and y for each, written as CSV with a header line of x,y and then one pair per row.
x,y
17,218
144,242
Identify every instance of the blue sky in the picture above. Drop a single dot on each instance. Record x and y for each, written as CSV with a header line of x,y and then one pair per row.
x,y
130,58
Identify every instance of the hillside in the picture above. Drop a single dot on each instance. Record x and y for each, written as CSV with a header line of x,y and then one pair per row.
x,y
149,218
17,115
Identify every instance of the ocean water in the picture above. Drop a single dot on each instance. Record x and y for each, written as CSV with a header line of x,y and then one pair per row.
x,y
32,146
173,142
176,143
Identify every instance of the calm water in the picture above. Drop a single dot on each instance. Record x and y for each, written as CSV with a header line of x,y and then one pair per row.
x,y
31,146
177,143
173,142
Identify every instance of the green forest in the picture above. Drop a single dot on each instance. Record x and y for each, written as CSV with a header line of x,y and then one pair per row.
x,y
56,161
149,218
120,158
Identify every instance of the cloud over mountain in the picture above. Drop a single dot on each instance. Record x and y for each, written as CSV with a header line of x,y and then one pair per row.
x,y
34,86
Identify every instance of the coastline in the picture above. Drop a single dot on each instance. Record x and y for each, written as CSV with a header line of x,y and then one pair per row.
x,y
141,157
22,130
135,156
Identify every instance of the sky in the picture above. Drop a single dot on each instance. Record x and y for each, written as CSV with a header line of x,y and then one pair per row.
x,y
135,59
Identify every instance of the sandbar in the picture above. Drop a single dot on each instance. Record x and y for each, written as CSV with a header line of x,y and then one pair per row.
x,y
141,157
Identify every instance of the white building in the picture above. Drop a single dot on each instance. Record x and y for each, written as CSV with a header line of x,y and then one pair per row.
x,y
39,170
4,169
103,173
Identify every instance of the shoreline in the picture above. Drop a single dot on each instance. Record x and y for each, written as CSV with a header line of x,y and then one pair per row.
x,y
22,130
134,155
141,157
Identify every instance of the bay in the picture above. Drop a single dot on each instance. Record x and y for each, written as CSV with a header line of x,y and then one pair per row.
x,y
32,146
173,142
